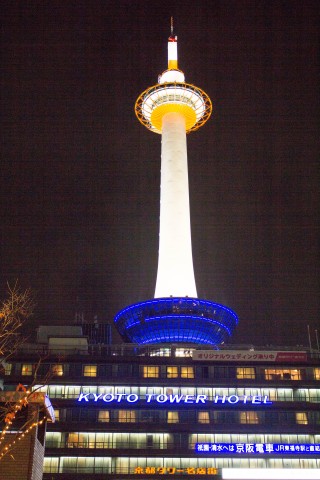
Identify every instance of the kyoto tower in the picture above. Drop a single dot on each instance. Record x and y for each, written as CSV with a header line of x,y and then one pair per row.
x,y
173,108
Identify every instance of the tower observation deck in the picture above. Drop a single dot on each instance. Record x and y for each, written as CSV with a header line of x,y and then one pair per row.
x,y
174,108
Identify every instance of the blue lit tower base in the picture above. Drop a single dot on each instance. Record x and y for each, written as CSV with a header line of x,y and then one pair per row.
x,y
175,320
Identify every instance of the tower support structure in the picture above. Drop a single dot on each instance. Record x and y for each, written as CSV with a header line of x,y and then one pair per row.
x,y
175,266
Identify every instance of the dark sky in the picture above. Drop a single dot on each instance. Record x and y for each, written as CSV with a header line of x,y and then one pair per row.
x,y
80,177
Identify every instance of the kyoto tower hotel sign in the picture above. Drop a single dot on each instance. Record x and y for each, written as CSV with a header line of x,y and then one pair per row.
x,y
174,108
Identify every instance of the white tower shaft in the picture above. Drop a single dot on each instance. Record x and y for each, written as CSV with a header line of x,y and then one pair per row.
x,y
175,266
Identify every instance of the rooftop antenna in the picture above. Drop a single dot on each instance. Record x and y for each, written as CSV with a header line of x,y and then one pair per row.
x,y
309,337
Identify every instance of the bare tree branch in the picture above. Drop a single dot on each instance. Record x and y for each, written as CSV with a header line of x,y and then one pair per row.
x,y
14,310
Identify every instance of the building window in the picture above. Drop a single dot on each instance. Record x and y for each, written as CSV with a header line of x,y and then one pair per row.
x,y
104,416
172,372
90,370
7,368
27,369
51,464
245,372
282,374
150,371
205,372
316,372
57,370
187,372
302,418
57,414
203,417
221,372
127,416
173,417
249,417
78,440
124,370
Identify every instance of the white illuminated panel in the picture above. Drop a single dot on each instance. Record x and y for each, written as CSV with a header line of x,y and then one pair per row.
x,y
270,474
175,267
172,51
172,76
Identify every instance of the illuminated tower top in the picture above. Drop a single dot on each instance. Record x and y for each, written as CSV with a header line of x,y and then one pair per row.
x,y
172,94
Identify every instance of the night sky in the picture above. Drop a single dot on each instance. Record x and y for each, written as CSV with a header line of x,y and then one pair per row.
x,y
80,177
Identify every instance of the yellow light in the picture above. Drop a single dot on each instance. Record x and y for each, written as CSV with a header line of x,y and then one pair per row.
x,y
172,64
159,112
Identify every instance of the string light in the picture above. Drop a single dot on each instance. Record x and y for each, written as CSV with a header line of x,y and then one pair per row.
x,y
10,417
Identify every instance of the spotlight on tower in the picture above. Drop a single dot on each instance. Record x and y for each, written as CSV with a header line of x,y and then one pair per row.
x,y
174,108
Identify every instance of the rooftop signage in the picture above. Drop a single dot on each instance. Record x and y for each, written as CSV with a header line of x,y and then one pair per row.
x,y
174,399
258,448
248,356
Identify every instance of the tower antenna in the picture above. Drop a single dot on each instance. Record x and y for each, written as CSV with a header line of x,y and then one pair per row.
x,y
171,22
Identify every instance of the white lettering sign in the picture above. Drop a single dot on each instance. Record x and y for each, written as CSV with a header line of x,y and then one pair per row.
x,y
174,399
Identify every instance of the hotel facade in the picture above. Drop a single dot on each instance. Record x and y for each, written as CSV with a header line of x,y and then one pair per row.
x,y
132,411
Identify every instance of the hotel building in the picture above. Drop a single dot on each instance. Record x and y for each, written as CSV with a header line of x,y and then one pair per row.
x,y
132,411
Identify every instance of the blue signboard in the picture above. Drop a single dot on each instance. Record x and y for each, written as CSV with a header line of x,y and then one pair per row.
x,y
258,448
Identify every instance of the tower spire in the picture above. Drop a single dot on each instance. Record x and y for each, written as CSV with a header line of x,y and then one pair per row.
x,y
172,49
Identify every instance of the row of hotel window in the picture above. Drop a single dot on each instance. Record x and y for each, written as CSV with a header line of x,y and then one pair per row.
x,y
189,466
154,371
188,416
164,441
273,394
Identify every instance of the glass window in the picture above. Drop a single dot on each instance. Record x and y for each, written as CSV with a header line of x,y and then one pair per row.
x,y
205,372
57,370
56,391
124,370
7,368
248,417
57,414
150,371
187,372
90,370
203,417
316,372
27,369
127,416
314,394
173,417
302,418
287,418
104,416
73,440
54,440
245,372
50,465
172,372
221,372
182,352
72,391
282,374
